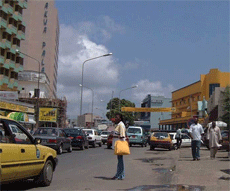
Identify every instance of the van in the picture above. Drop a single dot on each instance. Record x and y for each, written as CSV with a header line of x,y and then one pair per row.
x,y
137,136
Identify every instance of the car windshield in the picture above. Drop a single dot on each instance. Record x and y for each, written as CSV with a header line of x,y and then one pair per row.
x,y
73,132
160,135
134,130
104,133
46,132
88,131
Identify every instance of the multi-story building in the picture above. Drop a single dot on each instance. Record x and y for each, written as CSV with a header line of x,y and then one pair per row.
x,y
12,33
41,46
151,120
185,99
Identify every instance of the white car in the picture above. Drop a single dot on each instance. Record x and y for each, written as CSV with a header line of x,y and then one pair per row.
x,y
93,137
104,136
186,140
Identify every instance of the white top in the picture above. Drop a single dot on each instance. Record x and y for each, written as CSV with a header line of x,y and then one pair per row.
x,y
196,130
120,129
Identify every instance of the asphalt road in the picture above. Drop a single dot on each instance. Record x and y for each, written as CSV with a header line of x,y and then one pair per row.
x,y
92,169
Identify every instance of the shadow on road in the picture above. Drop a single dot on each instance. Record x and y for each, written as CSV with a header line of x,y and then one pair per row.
x,y
103,177
168,187
19,185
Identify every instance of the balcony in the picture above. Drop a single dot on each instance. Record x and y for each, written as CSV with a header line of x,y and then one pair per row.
x,y
13,29
10,63
6,43
3,23
3,79
10,9
18,68
25,4
15,46
17,16
20,3
2,45
2,59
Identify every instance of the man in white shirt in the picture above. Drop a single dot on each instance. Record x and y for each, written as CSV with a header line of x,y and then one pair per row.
x,y
195,131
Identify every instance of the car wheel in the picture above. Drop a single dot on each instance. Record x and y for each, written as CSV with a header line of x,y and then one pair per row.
x,y
99,144
46,175
152,148
175,147
59,151
169,148
70,148
94,144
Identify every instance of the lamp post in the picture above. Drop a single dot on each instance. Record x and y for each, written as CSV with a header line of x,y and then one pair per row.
x,y
39,68
38,93
92,104
122,91
82,76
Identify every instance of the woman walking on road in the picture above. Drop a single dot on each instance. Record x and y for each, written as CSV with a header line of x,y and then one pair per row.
x,y
120,130
214,137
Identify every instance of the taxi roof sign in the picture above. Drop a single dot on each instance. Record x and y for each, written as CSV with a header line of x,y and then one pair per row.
x,y
147,109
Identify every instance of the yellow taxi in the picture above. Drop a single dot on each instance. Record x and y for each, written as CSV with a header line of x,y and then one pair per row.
x,y
21,155
161,140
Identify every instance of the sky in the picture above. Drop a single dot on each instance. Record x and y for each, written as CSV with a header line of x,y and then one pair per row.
x,y
161,46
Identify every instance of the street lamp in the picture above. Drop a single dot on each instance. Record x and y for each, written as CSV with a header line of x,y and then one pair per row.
x,y
38,93
39,65
82,76
122,91
92,103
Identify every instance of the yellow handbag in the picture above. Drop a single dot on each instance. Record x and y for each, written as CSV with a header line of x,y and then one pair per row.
x,y
121,148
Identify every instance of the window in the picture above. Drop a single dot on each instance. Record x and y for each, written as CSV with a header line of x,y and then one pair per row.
x,y
46,5
43,70
12,75
20,136
2,52
8,55
6,72
43,53
2,70
4,35
5,136
212,88
45,30
43,44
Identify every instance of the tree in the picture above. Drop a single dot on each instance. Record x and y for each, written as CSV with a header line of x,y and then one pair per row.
x,y
226,105
113,106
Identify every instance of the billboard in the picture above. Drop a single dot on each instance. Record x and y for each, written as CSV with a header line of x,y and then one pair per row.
x,y
48,114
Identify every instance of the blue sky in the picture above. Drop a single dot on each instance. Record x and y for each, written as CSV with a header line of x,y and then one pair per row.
x,y
159,45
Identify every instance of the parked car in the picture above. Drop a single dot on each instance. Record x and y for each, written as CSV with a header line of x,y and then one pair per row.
x,y
78,138
225,140
137,136
186,140
104,136
161,140
93,137
54,137
110,140
23,157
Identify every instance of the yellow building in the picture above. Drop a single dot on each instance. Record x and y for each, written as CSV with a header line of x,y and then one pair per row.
x,y
185,99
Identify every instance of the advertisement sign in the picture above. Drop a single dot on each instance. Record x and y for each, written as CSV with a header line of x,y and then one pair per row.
x,y
10,95
48,114
15,107
145,109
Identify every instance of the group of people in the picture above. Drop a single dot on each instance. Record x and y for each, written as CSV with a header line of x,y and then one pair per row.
x,y
213,135
195,132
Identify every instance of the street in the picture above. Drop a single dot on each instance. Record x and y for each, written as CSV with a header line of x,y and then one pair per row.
x,y
160,169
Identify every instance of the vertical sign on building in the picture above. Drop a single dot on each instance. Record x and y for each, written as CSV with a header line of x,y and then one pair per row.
x,y
45,21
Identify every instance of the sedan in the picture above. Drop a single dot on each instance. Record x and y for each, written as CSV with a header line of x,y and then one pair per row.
x,y
55,138
78,137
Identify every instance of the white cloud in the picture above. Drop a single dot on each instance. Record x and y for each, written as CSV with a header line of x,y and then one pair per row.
x,y
99,74
146,87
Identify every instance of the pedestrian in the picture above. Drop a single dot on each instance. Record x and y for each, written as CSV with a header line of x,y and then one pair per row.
x,y
178,137
214,137
195,132
120,131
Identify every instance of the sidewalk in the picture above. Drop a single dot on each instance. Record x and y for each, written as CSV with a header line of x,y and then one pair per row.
x,y
212,174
